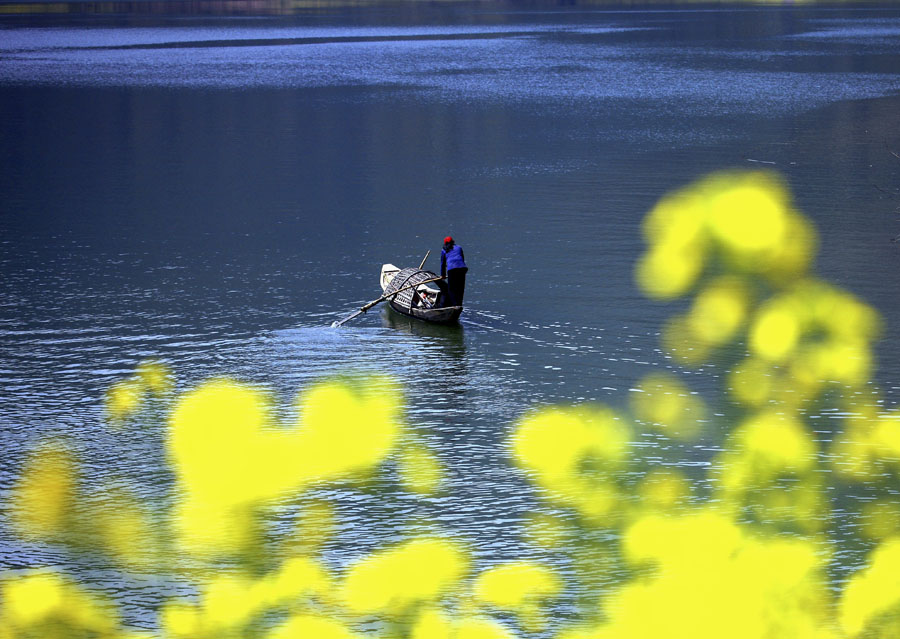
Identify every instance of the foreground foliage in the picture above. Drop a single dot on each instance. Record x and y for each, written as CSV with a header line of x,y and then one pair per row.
x,y
743,553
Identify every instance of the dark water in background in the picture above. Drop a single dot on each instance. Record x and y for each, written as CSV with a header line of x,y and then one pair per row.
x,y
214,192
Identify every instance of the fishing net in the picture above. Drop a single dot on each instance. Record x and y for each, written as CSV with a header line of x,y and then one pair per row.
x,y
406,279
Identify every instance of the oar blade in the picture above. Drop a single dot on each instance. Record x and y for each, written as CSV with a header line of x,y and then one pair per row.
x,y
382,298
346,319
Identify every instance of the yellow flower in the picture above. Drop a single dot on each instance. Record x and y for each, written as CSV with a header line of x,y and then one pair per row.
x,y
848,362
511,586
347,429
432,624
712,580
844,316
420,470
776,443
776,331
180,619
679,341
47,602
663,489
230,457
475,628
418,570
127,531
748,215
719,310
872,591
667,272
124,398
574,454
311,627
673,540
43,497
155,377
296,577
880,519
227,603
885,436
791,260
665,402
32,598
678,219
553,442
751,382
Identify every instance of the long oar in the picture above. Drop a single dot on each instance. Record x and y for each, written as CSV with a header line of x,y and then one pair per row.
x,y
424,258
381,299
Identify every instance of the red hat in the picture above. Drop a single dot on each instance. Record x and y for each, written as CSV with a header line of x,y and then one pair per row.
x,y
448,240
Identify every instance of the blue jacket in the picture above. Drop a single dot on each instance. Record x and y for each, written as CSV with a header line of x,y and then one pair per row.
x,y
452,259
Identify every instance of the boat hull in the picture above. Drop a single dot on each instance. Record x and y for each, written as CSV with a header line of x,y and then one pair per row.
x,y
419,301
444,315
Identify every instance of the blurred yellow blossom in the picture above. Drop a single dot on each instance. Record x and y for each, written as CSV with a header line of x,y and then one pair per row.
x,y
312,627
719,310
43,497
227,602
885,432
230,455
125,397
295,578
873,591
477,628
675,230
793,257
713,580
663,489
418,570
679,341
155,376
44,603
748,215
32,597
679,218
751,382
775,444
880,519
420,470
666,403
513,585
180,619
127,530
432,624
745,218
776,331
668,272
574,454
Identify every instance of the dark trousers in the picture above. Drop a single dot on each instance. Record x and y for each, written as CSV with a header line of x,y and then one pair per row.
x,y
456,285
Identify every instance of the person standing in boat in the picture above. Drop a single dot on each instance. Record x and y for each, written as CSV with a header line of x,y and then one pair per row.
x,y
453,267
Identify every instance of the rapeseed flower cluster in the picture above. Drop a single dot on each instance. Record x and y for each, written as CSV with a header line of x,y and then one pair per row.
x,y
46,604
666,404
739,545
576,456
126,397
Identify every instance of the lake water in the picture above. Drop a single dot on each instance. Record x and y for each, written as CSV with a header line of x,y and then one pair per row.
x,y
215,191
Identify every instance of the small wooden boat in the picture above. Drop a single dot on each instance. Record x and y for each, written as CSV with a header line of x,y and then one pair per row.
x,y
427,301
